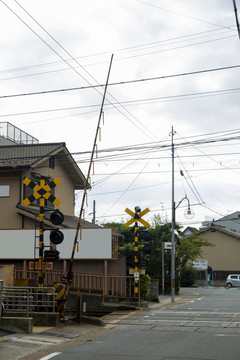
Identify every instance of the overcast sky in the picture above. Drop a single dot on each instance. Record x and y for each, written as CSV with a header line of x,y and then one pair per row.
x,y
184,56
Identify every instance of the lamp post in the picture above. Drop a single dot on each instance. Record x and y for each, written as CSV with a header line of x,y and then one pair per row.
x,y
188,214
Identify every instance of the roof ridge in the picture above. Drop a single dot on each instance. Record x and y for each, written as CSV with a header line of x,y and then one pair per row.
x,y
33,145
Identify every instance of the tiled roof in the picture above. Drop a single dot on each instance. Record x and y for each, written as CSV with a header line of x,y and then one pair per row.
x,y
25,156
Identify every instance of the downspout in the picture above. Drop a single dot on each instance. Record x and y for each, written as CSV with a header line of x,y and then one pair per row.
x,y
20,195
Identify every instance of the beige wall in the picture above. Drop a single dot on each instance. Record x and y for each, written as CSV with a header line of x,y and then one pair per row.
x,y
65,192
9,217
225,255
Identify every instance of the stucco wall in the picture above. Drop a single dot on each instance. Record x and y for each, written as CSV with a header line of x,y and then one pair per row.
x,y
9,217
225,254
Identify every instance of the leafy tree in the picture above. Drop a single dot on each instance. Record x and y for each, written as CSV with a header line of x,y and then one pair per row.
x,y
186,249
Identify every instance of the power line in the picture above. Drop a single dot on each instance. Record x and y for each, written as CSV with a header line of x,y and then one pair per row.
x,y
126,82
134,48
183,15
143,129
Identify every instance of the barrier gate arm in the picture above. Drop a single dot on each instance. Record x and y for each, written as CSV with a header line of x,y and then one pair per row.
x,y
67,278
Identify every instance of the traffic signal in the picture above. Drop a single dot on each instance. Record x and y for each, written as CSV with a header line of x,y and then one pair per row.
x,y
51,255
147,237
57,217
56,236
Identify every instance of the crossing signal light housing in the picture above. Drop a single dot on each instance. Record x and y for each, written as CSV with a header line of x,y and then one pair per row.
x,y
147,237
57,217
56,237
51,255
147,249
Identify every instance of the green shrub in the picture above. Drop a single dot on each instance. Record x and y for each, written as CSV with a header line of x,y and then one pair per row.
x,y
187,276
145,281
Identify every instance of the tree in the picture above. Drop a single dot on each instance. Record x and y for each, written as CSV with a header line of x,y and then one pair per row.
x,y
186,249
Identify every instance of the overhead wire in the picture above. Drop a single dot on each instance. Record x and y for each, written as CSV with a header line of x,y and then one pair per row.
x,y
142,127
183,15
132,48
129,82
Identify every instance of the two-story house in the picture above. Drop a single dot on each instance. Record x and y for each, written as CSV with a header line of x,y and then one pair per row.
x,y
23,156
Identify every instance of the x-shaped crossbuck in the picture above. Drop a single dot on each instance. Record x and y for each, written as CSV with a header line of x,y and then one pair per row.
x,y
41,191
137,217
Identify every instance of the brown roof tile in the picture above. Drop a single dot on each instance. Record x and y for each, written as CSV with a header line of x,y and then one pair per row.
x,y
24,156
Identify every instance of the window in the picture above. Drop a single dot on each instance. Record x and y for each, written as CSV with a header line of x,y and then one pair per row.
x,y
52,162
4,190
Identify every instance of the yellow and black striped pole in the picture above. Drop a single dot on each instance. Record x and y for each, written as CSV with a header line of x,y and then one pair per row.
x,y
41,239
136,217
136,263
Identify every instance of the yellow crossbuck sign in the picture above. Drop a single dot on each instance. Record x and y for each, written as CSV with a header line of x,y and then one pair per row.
x,y
137,217
41,191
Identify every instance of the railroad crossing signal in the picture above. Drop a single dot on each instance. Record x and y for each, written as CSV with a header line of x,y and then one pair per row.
x,y
136,217
41,191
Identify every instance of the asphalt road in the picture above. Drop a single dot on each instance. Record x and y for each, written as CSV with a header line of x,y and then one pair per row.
x,y
206,327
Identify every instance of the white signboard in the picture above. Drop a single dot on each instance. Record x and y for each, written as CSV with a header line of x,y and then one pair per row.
x,y
19,244
167,245
200,264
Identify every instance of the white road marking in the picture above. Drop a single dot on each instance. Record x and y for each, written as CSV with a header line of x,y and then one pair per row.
x,y
50,356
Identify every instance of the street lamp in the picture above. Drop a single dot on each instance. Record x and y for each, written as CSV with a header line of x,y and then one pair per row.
x,y
189,214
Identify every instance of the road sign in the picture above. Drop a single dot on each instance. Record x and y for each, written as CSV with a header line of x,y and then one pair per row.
x,y
137,217
200,264
37,265
41,191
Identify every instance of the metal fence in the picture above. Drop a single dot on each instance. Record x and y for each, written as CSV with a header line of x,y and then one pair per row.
x,y
109,286
28,299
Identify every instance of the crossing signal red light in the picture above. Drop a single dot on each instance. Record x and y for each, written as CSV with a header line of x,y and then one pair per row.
x,y
56,237
57,217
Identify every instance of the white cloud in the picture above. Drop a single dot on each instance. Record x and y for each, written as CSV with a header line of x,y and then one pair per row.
x,y
152,40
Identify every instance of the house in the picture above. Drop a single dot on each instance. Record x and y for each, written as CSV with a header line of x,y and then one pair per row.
x,y
22,156
189,231
223,258
229,222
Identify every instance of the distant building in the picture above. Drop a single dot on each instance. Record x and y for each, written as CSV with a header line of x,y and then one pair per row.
x,y
230,223
189,231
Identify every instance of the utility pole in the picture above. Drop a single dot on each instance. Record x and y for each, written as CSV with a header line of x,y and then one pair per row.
x,y
94,213
173,228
